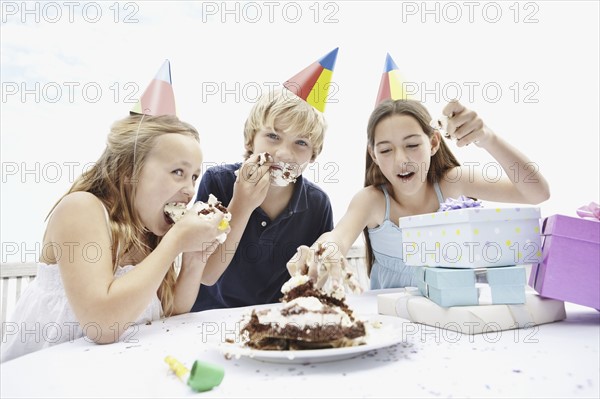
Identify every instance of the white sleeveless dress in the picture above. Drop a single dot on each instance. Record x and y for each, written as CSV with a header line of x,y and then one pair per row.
x,y
43,316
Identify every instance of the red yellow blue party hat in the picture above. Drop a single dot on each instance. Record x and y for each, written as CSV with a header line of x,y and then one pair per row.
x,y
158,99
313,82
391,86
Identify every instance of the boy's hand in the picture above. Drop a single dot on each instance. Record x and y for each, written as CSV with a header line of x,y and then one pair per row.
x,y
465,125
253,181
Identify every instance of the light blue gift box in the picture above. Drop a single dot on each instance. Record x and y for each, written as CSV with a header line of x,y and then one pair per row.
x,y
464,287
472,238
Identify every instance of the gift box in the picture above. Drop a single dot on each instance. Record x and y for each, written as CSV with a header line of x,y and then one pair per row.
x,y
570,266
472,238
464,287
410,305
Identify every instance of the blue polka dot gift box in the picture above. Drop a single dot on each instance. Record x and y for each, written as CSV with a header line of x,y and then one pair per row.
x,y
472,238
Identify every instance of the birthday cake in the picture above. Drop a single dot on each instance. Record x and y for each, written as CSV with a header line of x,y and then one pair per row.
x,y
308,318
174,211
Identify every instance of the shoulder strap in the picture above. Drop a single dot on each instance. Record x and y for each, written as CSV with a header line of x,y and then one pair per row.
x,y
387,202
438,192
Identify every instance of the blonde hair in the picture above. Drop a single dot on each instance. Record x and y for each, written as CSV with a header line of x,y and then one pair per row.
x,y
284,108
113,179
441,162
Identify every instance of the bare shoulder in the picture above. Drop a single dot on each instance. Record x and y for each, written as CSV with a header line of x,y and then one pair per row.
x,y
370,193
76,209
79,201
371,202
78,219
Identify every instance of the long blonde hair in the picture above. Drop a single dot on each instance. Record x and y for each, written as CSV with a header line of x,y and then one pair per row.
x,y
442,161
113,179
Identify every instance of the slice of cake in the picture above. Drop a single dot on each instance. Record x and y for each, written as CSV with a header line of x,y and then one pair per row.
x,y
309,318
176,210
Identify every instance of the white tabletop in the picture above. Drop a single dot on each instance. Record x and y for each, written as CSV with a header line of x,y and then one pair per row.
x,y
554,360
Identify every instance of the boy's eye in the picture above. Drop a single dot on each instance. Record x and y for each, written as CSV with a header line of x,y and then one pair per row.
x,y
272,135
194,178
178,172
302,143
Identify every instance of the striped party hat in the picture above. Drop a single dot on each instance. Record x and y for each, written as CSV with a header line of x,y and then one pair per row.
x,y
313,82
158,99
391,83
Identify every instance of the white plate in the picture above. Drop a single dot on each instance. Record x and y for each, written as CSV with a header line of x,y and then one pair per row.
x,y
388,332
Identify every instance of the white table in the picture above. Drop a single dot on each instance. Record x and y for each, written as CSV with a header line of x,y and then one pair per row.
x,y
553,360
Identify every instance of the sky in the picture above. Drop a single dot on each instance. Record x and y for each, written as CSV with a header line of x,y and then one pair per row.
x,y
530,69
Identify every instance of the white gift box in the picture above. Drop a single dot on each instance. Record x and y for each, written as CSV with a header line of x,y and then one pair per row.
x,y
472,238
410,305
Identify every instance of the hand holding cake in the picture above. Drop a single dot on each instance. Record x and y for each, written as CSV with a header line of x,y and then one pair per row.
x,y
326,267
175,211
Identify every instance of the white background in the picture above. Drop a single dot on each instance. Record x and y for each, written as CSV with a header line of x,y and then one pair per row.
x,y
546,52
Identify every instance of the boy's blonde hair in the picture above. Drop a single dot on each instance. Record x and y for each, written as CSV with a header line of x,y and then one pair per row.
x,y
289,112
113,179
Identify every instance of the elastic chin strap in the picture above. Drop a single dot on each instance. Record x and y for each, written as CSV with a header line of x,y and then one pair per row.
x,y
137,132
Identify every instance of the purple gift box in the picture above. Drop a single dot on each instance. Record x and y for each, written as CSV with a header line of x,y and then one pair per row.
x,y
570,267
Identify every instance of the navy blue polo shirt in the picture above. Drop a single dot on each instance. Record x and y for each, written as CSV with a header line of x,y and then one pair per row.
x,y
258,268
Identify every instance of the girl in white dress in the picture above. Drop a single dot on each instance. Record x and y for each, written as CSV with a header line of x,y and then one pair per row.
x,y
109,250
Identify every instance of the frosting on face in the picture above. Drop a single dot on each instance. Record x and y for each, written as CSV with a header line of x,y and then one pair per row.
x,y
283,173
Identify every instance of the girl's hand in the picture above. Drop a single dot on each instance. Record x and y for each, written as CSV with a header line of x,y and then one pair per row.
x,y
328,269
196,232
253,181
465,125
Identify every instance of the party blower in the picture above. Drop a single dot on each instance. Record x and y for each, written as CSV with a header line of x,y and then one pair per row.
x,y
203,377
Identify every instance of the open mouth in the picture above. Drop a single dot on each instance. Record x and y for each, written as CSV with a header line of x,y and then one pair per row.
x,y
173,211
283,173
406,176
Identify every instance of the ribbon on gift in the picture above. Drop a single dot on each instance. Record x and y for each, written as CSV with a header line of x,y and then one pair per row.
x,y
484,294
402,303
484,291
481,276
592,210
522,315
461,202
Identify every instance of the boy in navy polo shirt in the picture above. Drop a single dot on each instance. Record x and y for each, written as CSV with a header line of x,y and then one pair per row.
x,y
274,209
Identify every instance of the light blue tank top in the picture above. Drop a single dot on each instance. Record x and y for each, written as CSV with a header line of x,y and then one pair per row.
x,y
389,271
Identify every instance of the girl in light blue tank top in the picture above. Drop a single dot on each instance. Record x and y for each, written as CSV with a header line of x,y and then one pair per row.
x,y
389,270
408,156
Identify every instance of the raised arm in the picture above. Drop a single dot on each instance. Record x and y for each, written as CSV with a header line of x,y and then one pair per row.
x,y
523,182
249,191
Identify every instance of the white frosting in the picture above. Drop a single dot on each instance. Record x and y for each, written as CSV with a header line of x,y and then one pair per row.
x,y
175,210
210,205
294,282
278,177
312,316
